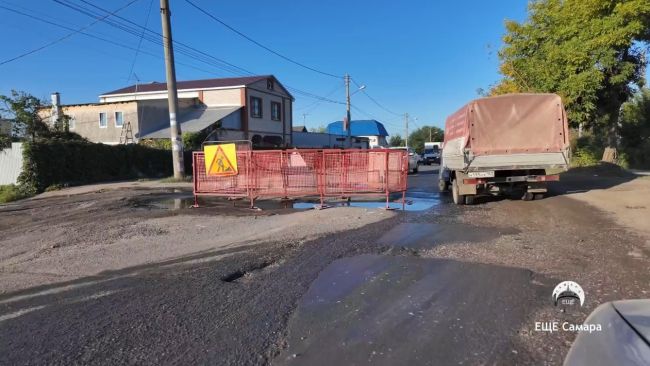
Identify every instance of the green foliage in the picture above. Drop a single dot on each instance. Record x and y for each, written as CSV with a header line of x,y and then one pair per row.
x,y
319,129
191,141
10,193
54,162
424,134
584,157
635,130
587,51
24,109
396,141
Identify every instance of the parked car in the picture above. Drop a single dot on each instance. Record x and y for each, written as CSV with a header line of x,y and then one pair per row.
x,y
414,158
623,339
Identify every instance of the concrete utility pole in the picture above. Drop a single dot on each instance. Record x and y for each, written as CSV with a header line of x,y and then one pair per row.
x,y
172,93
348,125
406,122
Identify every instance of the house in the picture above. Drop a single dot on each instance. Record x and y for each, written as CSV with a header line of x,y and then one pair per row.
x,y
373,130
254,108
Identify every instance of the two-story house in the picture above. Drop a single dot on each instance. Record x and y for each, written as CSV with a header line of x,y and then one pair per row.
x,y
254,108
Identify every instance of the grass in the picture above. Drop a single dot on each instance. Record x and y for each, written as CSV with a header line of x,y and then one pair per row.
x,y
10,193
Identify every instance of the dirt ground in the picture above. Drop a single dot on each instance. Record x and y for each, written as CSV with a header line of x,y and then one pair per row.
x,y
129,274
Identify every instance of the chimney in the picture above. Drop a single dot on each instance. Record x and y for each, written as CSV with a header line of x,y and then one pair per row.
x,y
56,108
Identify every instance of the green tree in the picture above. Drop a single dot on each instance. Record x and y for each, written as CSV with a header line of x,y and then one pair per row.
x,y
319,129
424,134
635,130
587,51
396,141
23,109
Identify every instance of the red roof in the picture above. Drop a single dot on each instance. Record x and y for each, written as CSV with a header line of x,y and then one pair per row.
x,y
191,84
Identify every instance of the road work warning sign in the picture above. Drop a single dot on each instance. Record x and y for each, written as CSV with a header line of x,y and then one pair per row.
x,y
220,160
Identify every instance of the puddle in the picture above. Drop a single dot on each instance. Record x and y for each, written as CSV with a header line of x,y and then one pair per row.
x,y
416,201
173,201
413,203
423,235
385,310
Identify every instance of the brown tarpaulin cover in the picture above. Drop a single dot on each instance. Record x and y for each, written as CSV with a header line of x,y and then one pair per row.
x,y
511,124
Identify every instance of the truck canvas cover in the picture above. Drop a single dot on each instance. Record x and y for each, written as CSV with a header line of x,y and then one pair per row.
x,y
510,124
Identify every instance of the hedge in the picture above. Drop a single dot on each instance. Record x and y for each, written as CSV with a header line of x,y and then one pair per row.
x,y
64,162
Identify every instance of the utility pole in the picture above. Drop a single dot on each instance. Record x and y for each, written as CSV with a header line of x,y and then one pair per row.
x,y
406,122
430,134
172,93
348,125
304,119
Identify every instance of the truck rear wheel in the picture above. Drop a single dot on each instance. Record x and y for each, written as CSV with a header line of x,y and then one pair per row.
x,y
458,198
539,196
528,196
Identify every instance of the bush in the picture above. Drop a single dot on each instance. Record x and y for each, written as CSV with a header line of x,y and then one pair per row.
x,y
59,163
10,193
583,157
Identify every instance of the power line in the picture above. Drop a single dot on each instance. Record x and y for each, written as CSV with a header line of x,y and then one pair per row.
x,y
259,44
90,35
61,39
375,101
135,57
182,48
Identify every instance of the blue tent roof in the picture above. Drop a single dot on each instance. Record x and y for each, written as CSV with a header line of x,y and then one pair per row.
x,y
368,127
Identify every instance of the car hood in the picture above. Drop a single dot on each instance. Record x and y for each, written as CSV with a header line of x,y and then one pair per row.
x,y
637,314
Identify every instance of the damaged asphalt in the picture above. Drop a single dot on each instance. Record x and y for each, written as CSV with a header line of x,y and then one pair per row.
x,y
411,289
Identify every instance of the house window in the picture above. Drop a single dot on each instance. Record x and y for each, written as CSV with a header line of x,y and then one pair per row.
x,y
276,111
72,122
269,84
119,119
103,121
256,107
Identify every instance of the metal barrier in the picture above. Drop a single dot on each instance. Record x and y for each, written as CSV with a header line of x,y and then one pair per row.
x,y
306,172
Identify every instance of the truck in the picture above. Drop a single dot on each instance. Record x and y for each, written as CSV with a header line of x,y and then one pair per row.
x,y
432,152
510,144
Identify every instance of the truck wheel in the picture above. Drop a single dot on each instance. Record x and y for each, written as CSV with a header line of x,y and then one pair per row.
x,y
469,199
527,196
539,196
458,198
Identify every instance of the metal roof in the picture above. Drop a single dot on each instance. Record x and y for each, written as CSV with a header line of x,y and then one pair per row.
x,y
368,127
190,84
195,120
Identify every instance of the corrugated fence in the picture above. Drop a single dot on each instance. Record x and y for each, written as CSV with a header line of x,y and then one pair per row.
x,y
301,173
11,163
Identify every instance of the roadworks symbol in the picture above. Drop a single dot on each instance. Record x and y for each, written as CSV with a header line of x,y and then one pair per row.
x,y
220,160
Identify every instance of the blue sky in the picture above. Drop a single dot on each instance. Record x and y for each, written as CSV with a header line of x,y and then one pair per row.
x,y
426,58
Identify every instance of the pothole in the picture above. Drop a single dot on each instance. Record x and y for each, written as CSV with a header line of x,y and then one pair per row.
x,y
242,274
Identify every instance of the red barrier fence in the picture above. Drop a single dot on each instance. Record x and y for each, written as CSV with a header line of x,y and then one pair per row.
x,y
300,173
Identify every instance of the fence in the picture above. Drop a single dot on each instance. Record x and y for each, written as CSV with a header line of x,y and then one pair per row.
x,y
301,173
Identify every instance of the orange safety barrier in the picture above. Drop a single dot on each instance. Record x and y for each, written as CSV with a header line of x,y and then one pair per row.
x,y
306,172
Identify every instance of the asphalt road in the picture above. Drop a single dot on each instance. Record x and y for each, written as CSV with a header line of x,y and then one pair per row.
x,y
391,292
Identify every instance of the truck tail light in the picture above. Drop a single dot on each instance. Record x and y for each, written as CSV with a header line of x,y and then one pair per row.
x,y
474,181
548,178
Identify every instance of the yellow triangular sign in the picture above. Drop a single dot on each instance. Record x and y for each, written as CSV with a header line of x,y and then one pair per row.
x,y
220,160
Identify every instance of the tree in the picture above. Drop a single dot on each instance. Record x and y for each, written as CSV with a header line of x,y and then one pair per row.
x,y
396,141
424,134
23,109
635,130
587,51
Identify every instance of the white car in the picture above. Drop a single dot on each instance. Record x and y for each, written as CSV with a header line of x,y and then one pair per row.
x,y
414,158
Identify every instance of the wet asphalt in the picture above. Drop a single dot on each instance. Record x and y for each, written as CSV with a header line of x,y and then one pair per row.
x,y
358,297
